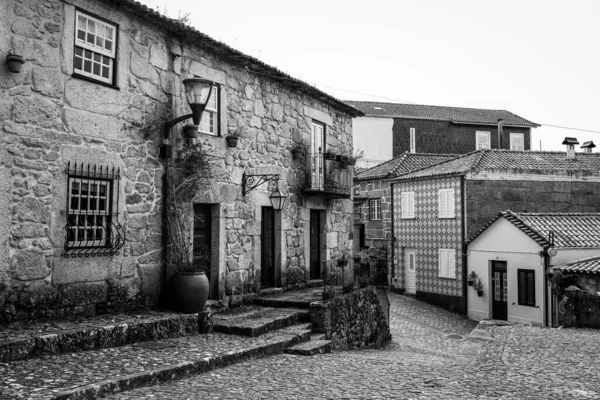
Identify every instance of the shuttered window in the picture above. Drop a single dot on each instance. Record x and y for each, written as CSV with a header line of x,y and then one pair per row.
x,y
446,203
526,287
447,263
408,204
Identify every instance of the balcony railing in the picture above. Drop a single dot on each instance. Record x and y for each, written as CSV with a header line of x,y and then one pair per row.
x,y
328,177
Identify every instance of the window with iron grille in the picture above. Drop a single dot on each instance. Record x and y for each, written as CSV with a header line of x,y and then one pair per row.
x,y
210,117
375,209
94,55
92,226
526,287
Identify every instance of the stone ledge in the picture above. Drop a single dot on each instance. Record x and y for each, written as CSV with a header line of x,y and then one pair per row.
x,y
311,348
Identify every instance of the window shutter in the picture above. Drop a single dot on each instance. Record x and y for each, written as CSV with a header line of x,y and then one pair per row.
x,y
404,205
443,261
451,264
442,203
531,288
450,203
411,204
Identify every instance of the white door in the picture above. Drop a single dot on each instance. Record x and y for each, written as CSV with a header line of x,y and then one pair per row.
x,y
411,274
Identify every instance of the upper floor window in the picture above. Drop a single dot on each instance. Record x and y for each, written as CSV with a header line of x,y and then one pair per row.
x,y
210,117
408,204
95,48
375,209
446,203
526,284
517,141
447,263
482,140
413,141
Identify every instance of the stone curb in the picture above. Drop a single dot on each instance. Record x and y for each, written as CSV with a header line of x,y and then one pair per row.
x,y
182,370
103,336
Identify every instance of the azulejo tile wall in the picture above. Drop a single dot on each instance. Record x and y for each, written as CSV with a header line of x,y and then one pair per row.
x,y
427,233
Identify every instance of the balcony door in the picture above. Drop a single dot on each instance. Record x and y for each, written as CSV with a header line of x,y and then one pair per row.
x,y
317,149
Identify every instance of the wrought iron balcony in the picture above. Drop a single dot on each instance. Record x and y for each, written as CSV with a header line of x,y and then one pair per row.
x,y
328,176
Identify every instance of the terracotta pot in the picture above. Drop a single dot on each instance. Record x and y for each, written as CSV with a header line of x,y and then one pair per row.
x,y
190,131
189,291
14,62
470,283
480,293
297,154
232,141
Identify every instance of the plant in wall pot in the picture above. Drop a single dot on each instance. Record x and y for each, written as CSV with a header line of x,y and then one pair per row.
x,y
478,286
188,286
471,278
14,62
233,138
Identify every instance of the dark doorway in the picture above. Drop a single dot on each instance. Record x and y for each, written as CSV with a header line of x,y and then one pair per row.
x,y
268,247
315,244
499,290
203,238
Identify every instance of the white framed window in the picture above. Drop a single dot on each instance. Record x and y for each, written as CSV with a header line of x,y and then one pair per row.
x,y
446,204
408,204
375,209
517,141
482,140
95,50
413,140
209,123
447,263
89,217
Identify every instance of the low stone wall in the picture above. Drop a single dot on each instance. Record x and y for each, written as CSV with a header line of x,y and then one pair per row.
x,y
352,321
580,309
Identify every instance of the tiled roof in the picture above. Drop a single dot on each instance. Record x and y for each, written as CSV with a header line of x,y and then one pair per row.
x,y
590,265
230,54
441,113
584,164
570,229
404,163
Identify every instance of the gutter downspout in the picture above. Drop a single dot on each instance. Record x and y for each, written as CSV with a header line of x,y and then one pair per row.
x,y
546,257
463,242
393,238
500,134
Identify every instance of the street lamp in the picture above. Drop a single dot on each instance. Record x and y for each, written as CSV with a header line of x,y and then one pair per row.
x,y
277,199
251,182
197,92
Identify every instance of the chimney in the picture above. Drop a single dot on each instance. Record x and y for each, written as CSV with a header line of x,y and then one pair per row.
x,y
570,142
499,133
588,146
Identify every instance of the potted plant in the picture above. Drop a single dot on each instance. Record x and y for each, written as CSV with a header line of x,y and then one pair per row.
x,y
297,153
190,131
355,157
188,285
471,278
14,62
478,286
232,139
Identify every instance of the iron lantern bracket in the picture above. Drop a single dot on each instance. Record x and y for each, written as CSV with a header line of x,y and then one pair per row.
x,y
168,125
251,182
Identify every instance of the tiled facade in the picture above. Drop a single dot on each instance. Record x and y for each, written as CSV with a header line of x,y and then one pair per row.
x,y
427,233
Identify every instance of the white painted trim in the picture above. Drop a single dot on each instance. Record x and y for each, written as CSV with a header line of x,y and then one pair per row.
x,y
550,176
318,115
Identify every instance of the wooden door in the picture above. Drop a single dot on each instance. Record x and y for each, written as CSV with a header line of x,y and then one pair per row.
x,y
268,247
499,291
411,272
315,244
202,236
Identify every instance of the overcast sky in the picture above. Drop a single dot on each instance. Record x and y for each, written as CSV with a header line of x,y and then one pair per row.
x,y
539,59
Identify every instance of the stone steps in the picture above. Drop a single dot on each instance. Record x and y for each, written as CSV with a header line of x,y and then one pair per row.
x,y
26,340
93,373
311,348
255,320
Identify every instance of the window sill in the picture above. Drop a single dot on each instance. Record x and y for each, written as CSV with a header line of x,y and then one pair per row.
x,y
87,78
528,305
408,217
447,277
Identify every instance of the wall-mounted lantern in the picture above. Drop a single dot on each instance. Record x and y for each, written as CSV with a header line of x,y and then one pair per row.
x,y
197,91
251,182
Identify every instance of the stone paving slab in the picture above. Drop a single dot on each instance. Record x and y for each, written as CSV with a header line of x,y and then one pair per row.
x,y
295,298
256,320
90,373
19,341
311,348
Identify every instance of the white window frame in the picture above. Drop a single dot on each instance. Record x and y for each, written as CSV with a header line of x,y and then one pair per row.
x,y
209,123
95,54
85,217
375,210
447,263
514,138
413,140
483,144
408,205
446,203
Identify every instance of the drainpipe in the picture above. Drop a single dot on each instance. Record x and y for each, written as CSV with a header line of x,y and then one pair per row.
x,y
393,241
463,207
499,133
546,267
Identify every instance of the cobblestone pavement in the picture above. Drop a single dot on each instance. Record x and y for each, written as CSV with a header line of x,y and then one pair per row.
x,y
423,361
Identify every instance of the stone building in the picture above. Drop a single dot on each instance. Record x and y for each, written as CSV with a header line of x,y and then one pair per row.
x,y
81,174
389,129
454,199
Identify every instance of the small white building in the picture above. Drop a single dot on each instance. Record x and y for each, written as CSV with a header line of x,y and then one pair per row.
x,y
508,260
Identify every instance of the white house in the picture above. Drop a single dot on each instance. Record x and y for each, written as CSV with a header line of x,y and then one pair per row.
x,y
510,257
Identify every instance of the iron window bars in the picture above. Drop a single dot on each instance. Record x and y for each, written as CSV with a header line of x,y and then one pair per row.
x,y
92,225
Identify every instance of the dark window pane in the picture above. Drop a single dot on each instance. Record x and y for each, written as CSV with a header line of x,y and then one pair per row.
x,y
79,51
91,38
91,220
105,72
78,63
97,57
70,235
88,54
93,203
96,69
102,204
80,234
105,60
99,41
108,45
84,188
103,189
74,203
98,234
80,35
84,203
75,188
87,66
90,234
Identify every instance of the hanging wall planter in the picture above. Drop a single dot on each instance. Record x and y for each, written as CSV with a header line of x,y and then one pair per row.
x,y
297,153
232,140
190,131
480,293
15,62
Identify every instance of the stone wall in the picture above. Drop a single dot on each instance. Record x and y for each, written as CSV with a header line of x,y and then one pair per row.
x,y
352,321
50,117
444,137
375,231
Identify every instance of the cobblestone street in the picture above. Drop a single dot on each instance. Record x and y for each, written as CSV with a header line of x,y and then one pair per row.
x,y
426,359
